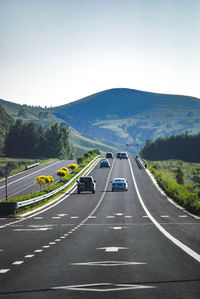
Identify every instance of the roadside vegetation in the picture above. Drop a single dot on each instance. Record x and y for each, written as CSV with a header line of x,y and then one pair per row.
x,y
180,181
47,186
181,147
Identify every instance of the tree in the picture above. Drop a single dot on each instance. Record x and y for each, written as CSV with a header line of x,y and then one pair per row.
x,y
179,176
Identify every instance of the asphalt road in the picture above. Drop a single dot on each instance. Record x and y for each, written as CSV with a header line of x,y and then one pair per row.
x,y
132,244
23,183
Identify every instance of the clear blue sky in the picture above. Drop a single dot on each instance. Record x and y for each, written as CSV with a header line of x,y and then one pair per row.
x,y
56,51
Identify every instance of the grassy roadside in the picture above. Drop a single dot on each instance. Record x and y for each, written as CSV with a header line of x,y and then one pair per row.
x,y
187,194
48,189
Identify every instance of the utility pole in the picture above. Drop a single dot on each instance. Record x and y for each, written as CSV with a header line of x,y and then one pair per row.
x,y
6,171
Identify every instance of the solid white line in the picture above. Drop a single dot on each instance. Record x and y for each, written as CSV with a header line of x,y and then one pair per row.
x,y
185,248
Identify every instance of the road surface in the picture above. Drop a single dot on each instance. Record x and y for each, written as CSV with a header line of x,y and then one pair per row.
x,y
118,245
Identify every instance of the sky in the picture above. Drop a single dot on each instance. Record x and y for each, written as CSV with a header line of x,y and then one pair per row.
x,y
53,52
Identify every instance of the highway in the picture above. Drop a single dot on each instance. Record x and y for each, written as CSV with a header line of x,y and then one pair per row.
x,y
119,245
23,182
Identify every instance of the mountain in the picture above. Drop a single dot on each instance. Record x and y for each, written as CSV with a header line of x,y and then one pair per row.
x,y
130,116
10,111
5,122
114,118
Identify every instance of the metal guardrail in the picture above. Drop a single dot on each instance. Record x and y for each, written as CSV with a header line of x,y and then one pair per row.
x,y
32,165
141,161
24,203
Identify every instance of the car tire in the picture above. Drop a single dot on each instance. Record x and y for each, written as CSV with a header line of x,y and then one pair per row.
x,y
93,191
78,191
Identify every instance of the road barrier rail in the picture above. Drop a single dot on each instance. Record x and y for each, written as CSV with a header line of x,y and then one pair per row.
x,y
32,165
141,161
11,207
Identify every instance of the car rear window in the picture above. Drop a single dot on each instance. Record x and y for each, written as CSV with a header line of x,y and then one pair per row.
x,y
85,180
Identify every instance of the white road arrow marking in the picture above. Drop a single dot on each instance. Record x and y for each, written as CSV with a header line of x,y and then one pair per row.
x,y
103,287
108,263
111,249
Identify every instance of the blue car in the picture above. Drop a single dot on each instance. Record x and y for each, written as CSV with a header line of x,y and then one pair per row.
x,y
104,163
123,155
119,184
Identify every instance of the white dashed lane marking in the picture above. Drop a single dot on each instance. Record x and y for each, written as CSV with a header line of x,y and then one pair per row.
x,y
111,249
28,256
18,263
117,227
38,250
2,271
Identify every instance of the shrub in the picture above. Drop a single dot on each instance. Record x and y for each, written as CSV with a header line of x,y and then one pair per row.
x,y
73,166
80,160
62,173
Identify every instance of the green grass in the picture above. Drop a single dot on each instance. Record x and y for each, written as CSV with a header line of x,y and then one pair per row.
x,y
187,194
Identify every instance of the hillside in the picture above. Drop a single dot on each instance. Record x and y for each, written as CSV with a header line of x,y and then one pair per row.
x,y
117,117
130,116
5,123
42,116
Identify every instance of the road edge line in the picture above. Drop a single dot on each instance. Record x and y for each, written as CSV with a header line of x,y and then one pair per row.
x,y
182,246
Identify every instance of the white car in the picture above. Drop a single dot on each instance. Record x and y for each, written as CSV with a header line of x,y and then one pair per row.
x,y
119,184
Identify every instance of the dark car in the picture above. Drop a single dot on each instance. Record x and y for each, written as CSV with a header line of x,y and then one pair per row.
x,y
104,163
86,183
118,155
109,155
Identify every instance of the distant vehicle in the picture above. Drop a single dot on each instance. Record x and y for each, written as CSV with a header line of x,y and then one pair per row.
x,y
109,155
119,184
86,183
118,155
123,155
104,163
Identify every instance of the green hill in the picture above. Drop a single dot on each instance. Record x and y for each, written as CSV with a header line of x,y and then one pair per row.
x,y
117,117
131,116
44,117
